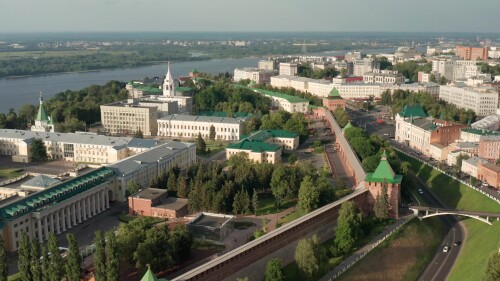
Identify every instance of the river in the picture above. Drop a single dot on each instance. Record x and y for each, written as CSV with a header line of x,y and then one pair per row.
x,y
15,92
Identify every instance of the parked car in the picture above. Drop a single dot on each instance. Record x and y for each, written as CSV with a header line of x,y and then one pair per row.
x,y
420,191
445,249
457,243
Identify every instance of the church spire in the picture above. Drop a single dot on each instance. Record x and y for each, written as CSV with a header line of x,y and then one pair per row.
x,y
168,84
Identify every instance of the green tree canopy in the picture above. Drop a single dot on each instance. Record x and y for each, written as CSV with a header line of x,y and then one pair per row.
x,y
309,256
348,228
274,271
38,151
308,195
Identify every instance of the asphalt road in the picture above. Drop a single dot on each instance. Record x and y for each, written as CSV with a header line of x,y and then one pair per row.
x,y
442,263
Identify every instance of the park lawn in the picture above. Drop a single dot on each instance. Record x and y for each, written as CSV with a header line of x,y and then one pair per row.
x,y
214,147
10,173
297,213
267,206
482,239
453,193
403,256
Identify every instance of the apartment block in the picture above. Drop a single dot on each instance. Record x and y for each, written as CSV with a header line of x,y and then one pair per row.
x,y
482,100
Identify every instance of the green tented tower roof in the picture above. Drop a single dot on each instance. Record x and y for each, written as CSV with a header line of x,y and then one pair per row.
x,y
149,276
384,172
42,115
412,110
347,126
334,92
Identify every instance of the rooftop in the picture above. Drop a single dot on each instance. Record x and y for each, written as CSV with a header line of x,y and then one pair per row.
x,y
481,132
384,173
41,181
292,99
55,194
412,111
200,118
211,220
263,135
150,193
491,138
474,161
224,114
492,167
172,203
254,146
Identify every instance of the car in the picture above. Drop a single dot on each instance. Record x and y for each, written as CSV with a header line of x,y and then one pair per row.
x,y
457,243
445,249
420,191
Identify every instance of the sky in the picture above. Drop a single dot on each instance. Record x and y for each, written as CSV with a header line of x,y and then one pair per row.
x,y
246,16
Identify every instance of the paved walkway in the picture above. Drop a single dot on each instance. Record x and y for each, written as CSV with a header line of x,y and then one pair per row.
x,y
366,249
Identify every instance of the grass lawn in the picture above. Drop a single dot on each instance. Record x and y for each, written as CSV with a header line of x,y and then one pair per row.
x,y
10,173
266,205
482,239
214,147
207,245
401,257
290,217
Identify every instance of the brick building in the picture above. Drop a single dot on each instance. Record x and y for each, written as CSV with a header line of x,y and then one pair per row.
x,y
489,173
153,202
375,181
446,132
471,53
489,147
334,100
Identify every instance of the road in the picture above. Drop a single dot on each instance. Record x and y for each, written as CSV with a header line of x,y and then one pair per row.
x,y
442,263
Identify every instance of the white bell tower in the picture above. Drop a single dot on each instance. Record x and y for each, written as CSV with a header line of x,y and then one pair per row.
x,y
168,84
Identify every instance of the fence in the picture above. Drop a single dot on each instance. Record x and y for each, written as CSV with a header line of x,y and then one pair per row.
x,y
450,175
348,264
9,181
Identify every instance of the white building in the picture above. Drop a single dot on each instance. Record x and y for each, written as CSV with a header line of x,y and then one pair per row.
x,y
469,166
286,102
189,126
259,76
482,100
383,76
268,65
317,87
491,122
288,69
362,66
43,122
455,69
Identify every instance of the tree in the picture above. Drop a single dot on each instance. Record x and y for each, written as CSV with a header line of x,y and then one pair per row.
x,y
255,201
201,146
382,204
100,256
138,134
172,183
45,263
386,98
38,151
274,271
24,263
493,268
56,271
309,256
183,190
112,259
241,203
292,159
36,268
4,265
308,195
348,227
443,80
211,134
130,235
279,185
155,250
74,260
132,187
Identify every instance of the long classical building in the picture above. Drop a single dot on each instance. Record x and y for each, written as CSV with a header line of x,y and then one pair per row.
x,y
482,100
75,147
189,126
383,76
256,75
57,208
363,91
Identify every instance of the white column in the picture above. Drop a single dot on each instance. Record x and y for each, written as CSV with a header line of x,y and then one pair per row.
x,y
68,216
58,223
73,212
107,198
46,226
80,215
63,219
39,223
103,199
52,225
84,208
89,210
92,199
98,199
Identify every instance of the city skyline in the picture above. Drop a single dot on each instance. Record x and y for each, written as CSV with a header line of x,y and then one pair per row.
x,y
225,15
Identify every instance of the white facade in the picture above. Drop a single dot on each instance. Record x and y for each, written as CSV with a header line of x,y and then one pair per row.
x,y
362,66
482,100
189,126
288,69
359,90
416,137
456,69
383,76
259,76
317,87
268,64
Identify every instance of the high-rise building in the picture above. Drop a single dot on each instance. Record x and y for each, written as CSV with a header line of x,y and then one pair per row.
x,y
471,53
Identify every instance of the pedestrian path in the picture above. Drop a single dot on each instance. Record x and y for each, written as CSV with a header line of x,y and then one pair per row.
x,y
359,254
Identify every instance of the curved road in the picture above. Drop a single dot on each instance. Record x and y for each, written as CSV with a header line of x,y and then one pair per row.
x,y
442,263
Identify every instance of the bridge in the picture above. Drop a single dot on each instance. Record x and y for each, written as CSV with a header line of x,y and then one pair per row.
x,y
426,212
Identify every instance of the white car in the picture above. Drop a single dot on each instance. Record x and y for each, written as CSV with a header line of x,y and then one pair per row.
x,y
445,249
420,191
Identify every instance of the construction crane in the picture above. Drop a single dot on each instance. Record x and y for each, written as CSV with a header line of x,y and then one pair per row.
x,y
304,46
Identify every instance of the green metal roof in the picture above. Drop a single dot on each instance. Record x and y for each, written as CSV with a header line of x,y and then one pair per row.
x,y
42,115
195,70
55,194
292,99
384,172
412,111
347,126
147,89
263,135
482,132
334,93
255,146
149,276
